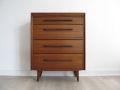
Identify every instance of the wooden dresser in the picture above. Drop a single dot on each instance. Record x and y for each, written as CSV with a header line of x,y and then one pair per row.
x,y
58,42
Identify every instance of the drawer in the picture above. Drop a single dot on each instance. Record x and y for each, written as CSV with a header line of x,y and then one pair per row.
x,y
57,61
58,31
58,20
57,46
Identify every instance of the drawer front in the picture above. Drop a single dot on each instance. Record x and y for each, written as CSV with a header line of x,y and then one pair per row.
x,y
58,31
57,46
57,61
58,20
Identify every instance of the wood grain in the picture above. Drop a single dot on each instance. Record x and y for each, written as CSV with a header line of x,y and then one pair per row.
x,y
57,61
38,14
57,20
54,35
58,32
58,46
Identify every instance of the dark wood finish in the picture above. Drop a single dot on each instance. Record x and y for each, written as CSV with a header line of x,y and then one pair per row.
x,y
39,73
58,42
58,46
84,42
57,61
35,15
74,73
77,75
57,20
58,32
31,42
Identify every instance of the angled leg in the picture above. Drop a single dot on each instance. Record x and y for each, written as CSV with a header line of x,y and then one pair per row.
x,y
74,73
77,75
38,75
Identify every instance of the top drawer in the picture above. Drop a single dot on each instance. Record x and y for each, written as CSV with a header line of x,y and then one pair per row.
x,y
58,20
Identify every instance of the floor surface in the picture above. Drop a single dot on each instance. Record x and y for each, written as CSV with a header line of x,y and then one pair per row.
x,y
60,83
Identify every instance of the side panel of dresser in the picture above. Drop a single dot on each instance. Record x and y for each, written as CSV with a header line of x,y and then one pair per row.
x,y
31,41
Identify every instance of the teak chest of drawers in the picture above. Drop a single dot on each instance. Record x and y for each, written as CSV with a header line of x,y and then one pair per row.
x,y
58,42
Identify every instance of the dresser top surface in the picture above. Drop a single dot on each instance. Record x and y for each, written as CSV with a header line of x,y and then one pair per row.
x,y
76,14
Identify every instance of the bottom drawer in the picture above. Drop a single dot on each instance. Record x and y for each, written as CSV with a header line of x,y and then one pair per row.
x,y
57,62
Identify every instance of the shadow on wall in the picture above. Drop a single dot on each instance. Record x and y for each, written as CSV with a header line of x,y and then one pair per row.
x,y
24,47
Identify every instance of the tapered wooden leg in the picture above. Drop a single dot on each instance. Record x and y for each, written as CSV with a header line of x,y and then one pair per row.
x,y
77,75
74,73
39,73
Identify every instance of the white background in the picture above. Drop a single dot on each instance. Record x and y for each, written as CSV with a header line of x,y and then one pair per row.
x,y
102,34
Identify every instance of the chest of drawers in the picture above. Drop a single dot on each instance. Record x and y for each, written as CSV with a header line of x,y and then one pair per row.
x,y
58,42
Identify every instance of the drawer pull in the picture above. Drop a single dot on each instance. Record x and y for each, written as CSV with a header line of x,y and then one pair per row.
x,y
46,60
45,29
59,46
57,20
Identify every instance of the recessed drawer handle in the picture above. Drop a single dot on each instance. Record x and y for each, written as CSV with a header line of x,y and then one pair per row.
x,y
57,20
57,29
59,46
46,60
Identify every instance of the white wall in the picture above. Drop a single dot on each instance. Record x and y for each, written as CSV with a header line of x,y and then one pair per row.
x,y
102,34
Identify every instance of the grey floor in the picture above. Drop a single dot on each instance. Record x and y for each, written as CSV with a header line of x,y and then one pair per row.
x,y
60,83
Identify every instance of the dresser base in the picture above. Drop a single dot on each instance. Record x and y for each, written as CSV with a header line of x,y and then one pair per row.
x,y
76,74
